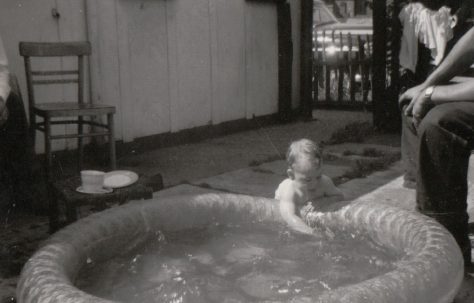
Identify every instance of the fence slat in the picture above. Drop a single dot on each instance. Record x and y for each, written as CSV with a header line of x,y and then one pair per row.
x,y
341,70
361,64
351,70
316,70
327,70
368,67
339,58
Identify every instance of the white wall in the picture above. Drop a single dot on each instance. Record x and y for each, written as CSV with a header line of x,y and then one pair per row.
x,y
185,63
165,65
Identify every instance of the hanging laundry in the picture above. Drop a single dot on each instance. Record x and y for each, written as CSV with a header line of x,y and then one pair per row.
x,y
432,28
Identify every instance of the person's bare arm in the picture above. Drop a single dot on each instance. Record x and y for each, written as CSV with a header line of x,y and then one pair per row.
x,y
459,92
456,62
288,212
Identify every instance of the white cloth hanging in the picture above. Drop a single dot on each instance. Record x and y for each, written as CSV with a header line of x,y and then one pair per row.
x,y
432,28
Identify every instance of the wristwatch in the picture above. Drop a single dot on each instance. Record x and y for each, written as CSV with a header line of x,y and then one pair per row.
x,y
429,91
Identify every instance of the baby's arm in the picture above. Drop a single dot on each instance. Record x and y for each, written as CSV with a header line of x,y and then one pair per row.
x,y
288,211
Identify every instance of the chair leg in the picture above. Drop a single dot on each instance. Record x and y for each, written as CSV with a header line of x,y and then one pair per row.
x,y
47,148
32,134
80,145
110,122
71,212
54,223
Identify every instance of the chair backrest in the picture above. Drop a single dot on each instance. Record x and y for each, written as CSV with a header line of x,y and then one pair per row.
x,y
29,50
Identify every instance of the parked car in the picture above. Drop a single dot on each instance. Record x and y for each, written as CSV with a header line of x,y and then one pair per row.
x,y
328,30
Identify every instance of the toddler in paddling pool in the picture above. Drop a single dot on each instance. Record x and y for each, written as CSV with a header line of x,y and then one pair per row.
x,y
306,188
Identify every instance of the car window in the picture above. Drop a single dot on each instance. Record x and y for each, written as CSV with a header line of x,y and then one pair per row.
x,y
322,15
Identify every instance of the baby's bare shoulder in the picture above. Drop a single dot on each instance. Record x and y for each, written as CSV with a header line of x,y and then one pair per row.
x,y
286,187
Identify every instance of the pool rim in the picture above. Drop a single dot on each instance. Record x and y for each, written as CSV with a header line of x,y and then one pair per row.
x,y
47,275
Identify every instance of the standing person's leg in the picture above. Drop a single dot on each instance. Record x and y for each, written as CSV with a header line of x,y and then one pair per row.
x,y
446,137
409,140
409,148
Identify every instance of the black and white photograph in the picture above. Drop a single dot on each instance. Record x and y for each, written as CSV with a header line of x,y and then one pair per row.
x,y
236,151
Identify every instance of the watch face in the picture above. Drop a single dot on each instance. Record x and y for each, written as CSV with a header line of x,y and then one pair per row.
x,y
429,91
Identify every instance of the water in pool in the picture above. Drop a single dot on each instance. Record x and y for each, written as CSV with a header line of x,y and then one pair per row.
x,y
246,263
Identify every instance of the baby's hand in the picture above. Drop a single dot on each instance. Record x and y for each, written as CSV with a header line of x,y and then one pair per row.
x,y
324,232
307,209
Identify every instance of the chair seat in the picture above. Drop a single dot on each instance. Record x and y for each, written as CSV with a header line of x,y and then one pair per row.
x,y
70,109
69,113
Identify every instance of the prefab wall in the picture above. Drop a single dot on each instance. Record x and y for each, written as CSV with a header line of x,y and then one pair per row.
x,y
167,65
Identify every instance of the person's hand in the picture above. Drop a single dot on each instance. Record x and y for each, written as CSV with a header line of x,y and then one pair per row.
x,y
3,111
418,108
410,94
454,21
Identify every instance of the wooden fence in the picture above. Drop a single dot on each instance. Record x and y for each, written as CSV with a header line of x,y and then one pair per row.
x,y
342,70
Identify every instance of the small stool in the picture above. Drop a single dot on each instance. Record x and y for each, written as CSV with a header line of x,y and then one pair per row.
x,y
65,191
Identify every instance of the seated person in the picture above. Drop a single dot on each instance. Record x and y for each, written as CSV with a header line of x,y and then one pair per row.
x,y
429,31
15,156
438,121
306,188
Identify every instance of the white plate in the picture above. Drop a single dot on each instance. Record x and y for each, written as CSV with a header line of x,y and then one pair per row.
x,y
119,178
99,191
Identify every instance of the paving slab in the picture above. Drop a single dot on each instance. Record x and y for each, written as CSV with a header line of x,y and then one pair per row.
x,y
261,180
358,187
279,168
392,193
386,187
360,148
244,181
214,156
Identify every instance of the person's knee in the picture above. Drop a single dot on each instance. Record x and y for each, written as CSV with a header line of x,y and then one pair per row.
x,y
438,119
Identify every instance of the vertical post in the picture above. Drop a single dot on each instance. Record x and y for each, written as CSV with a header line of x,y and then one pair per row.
x,y
317,69
285,61
394,121
47,148
351,70
306,68
379,61
110,123
340,61
80,99
361,66
327,72
31,103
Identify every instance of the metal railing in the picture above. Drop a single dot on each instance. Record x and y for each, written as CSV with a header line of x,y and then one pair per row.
x,y
342,69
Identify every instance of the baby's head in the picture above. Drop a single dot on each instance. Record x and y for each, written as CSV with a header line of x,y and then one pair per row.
x,y
304,158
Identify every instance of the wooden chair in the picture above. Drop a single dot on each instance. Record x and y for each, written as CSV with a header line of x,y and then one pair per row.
x,y
69,110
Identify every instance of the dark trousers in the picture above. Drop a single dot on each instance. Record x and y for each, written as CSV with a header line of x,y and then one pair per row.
x,y
437,154
15,158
